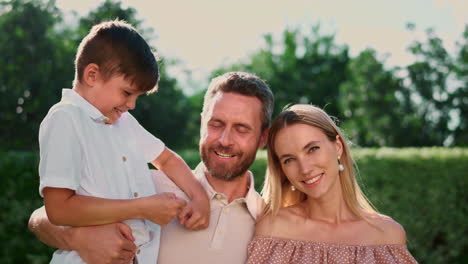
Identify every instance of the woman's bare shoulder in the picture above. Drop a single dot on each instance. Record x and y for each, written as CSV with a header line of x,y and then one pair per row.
x,y
390,231
273,225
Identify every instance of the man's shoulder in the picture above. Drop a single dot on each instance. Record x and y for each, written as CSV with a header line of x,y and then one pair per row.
x,y
252,191
162,184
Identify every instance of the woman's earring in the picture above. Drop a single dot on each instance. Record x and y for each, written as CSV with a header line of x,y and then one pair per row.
x,y
340,166
293,188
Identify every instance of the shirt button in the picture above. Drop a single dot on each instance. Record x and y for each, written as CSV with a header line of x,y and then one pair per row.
x,y
138,251
124,158
135,194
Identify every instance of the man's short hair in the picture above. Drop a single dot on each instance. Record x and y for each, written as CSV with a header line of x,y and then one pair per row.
x,y
118,49
245,84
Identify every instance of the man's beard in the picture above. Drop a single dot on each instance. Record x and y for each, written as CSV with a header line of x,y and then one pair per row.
x,y
220,171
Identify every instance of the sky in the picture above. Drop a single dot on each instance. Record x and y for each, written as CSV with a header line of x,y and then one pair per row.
x,y
205,34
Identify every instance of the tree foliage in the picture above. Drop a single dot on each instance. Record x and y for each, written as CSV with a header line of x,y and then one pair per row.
x,y
34,64
460,96
301,68
38,61
423,104
369,100
430,77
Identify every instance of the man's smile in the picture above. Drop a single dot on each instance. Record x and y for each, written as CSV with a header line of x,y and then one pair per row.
x,y
224,155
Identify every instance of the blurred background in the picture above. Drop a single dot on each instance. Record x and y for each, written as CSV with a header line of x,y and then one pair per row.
x,y
394,73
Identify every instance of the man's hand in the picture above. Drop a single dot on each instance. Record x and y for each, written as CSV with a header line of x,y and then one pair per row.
x,y
104,244
161,208
196,215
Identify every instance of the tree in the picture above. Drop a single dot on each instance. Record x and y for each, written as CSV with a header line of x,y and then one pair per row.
x,y
111,10
34,64
166,114
307,68
427,107
375,116
460,96
430,80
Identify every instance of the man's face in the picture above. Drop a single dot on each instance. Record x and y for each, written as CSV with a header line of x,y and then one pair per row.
x,y
231,134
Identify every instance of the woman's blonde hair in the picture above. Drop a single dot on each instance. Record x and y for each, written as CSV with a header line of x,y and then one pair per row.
x,y
277,188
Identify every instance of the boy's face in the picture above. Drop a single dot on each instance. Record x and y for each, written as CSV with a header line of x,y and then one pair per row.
x,y
114,97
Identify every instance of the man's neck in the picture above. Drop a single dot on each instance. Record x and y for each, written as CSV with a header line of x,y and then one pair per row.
x,y
237,188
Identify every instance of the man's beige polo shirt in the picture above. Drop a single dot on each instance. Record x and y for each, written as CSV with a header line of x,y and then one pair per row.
x,y
231,228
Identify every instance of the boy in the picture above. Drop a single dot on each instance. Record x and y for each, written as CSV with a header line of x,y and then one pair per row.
x,y
94,154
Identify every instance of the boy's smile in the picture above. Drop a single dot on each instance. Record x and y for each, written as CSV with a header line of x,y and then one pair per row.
x,y
119,113
113,97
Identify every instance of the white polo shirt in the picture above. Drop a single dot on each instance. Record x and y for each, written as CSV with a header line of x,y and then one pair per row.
x,y
78,151
231,228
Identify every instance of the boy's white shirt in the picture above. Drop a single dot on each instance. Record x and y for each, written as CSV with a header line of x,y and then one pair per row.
x,y
79,151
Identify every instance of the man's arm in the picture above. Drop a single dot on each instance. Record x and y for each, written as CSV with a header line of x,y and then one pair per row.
x,y
47,233
115,243
197,214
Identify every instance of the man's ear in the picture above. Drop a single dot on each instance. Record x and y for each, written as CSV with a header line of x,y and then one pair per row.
x,y
263,138
91,74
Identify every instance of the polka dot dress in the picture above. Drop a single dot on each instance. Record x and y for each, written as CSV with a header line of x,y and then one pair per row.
x,y
270,250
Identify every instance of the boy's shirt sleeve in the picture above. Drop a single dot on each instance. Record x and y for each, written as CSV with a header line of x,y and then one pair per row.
x,y
151,146
61,157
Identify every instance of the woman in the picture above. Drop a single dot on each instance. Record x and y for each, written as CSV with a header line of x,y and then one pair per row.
x,y
315,211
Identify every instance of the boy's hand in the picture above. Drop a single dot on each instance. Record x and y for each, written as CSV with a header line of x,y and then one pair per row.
x,y
196,215
161,208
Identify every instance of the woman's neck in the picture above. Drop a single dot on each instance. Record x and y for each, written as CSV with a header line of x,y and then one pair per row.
x,y
330,208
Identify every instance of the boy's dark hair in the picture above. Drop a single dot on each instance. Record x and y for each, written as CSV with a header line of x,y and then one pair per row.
x,y
118,49
245,84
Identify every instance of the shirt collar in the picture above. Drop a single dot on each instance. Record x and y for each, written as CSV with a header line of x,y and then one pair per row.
x,y
72,97
252,199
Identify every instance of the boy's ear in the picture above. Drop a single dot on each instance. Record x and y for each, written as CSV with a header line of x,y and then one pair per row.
x,y
91,74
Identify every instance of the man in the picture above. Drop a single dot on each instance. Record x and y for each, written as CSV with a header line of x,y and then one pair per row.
x,y
234,125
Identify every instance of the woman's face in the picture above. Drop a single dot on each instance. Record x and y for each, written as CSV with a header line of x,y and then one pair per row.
x,y
309,159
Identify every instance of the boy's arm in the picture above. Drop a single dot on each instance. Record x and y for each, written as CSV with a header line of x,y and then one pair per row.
x,y
64,207
177,170
115,243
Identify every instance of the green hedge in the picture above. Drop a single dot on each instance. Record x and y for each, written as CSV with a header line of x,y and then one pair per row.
x,y
19,197
423,189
